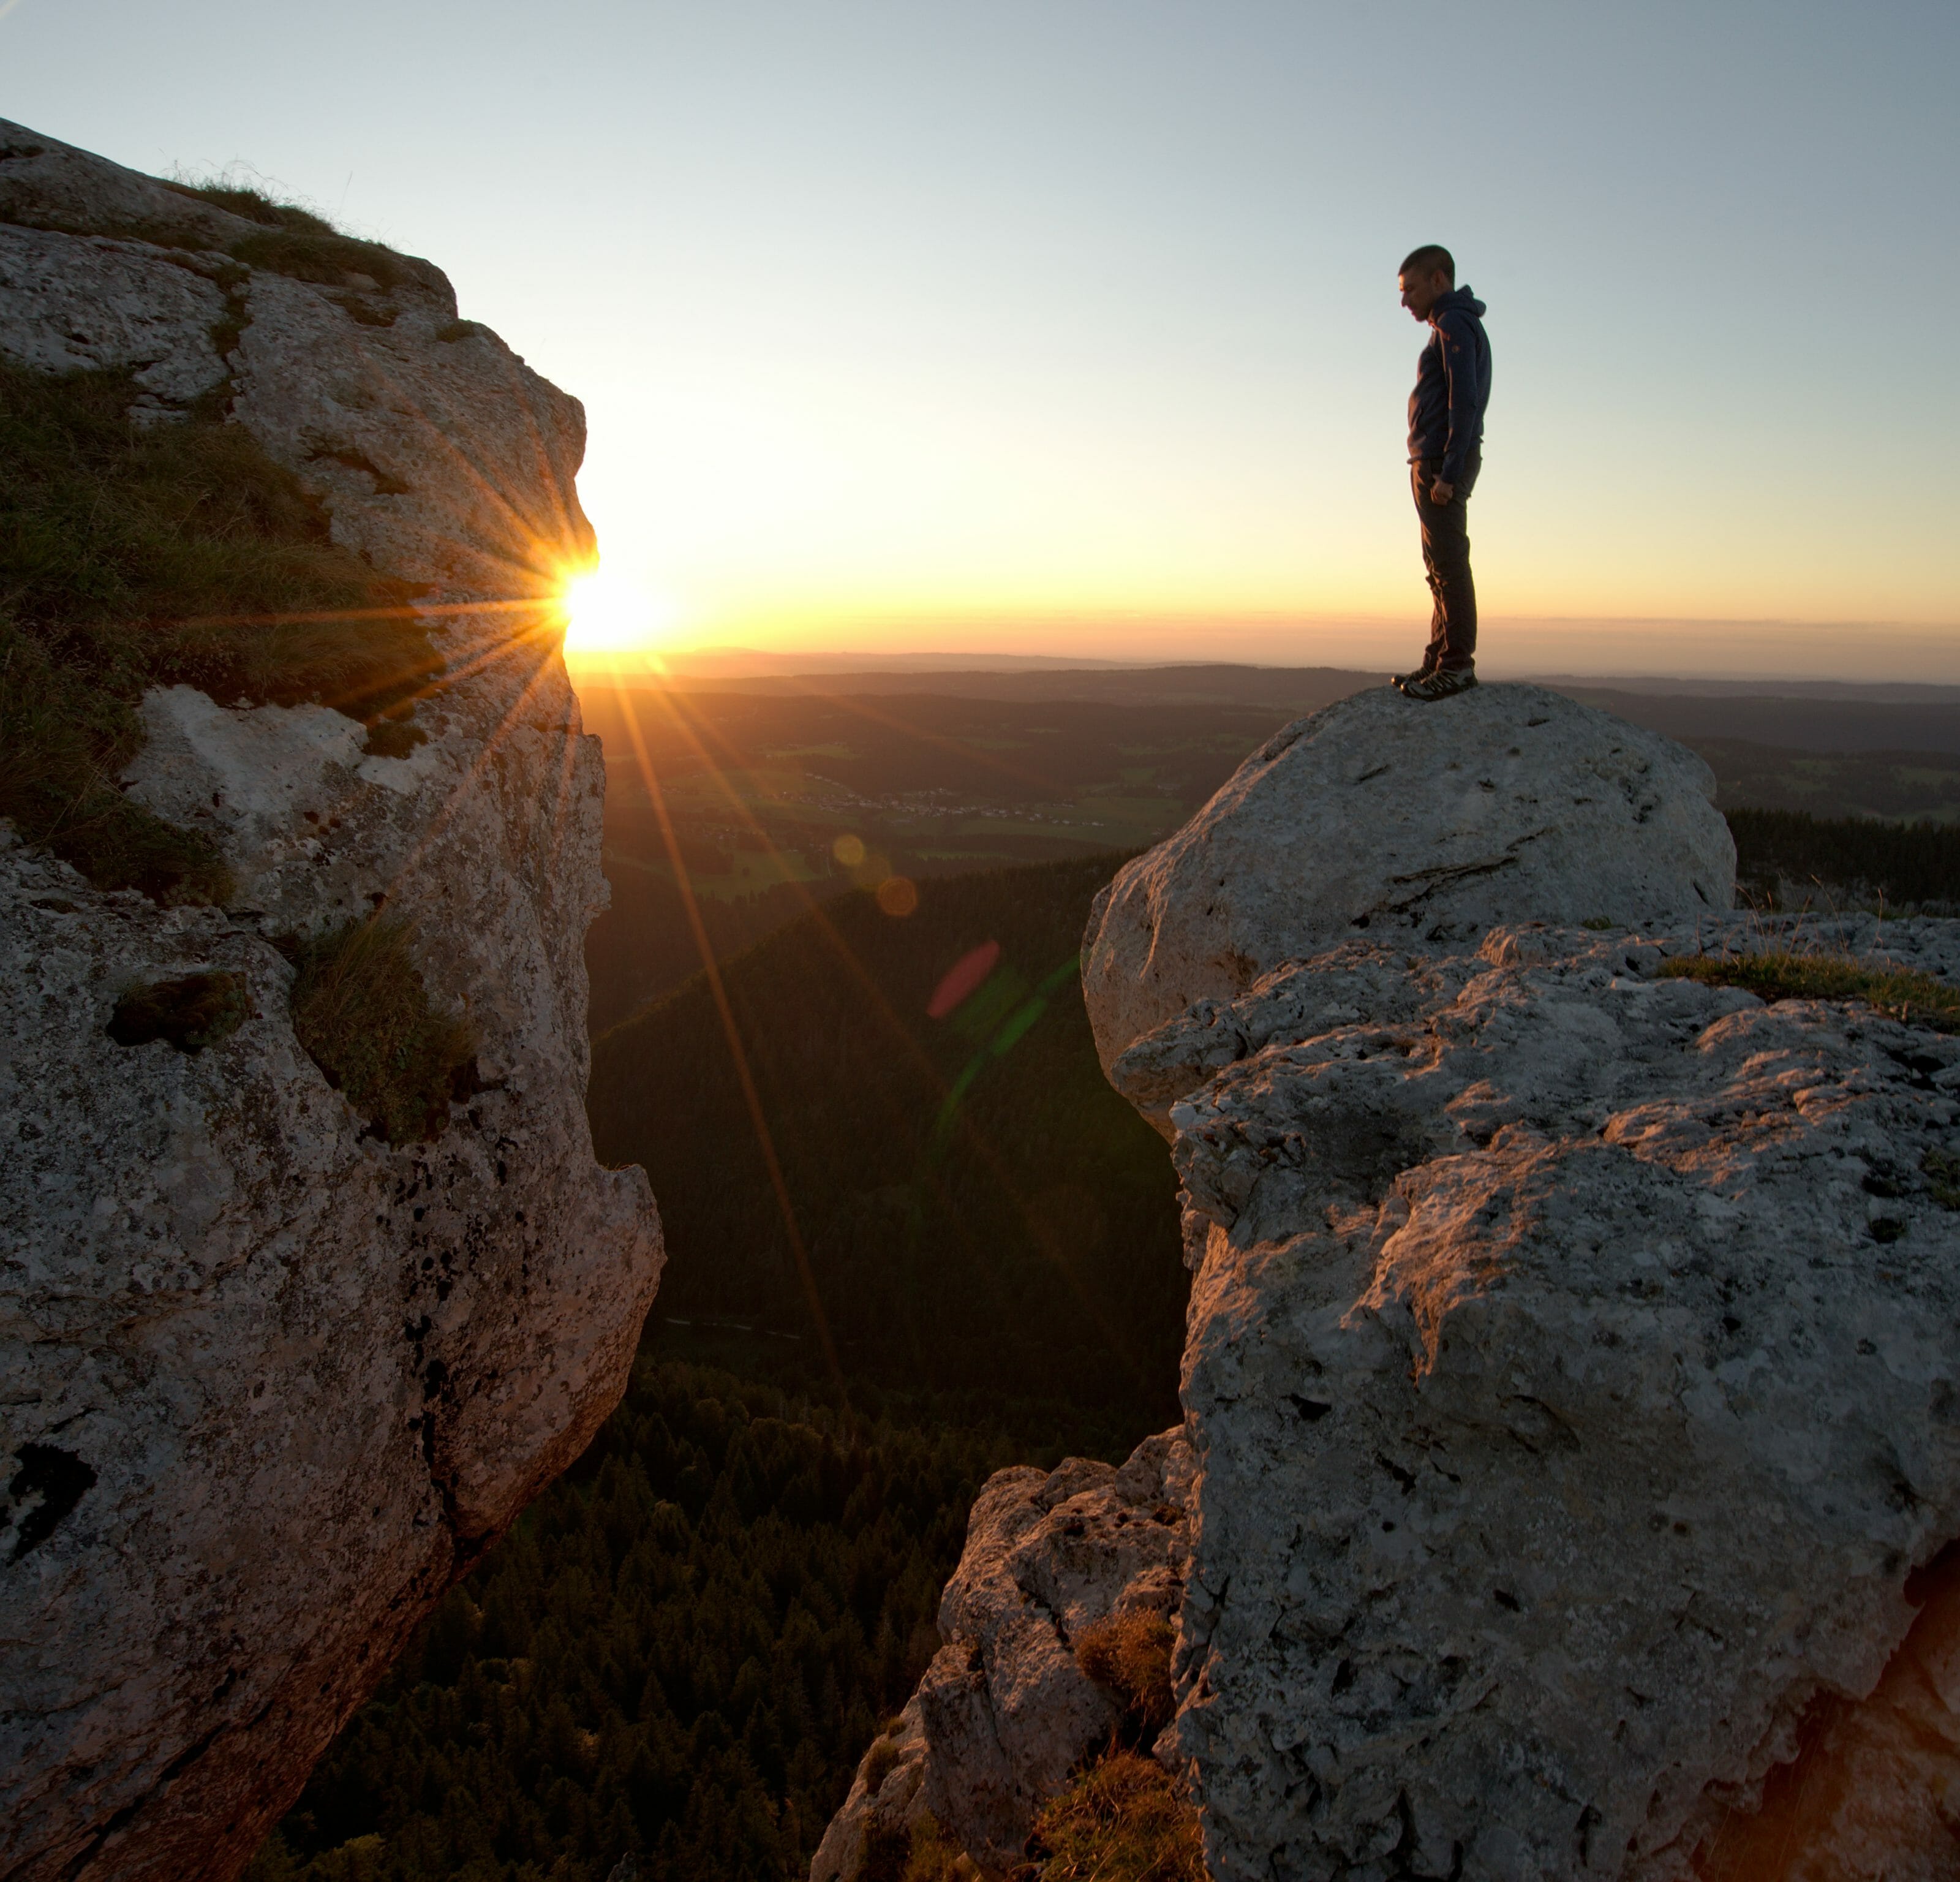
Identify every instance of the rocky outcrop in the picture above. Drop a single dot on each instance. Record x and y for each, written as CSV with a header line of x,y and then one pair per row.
x,y
1005,1711
271,1382
1570,1380
1570,1377
1380,817
1568,1370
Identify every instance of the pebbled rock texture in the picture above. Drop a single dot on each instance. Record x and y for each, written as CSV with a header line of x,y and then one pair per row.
x,y
1571,1379
1415,825
1004,1712
267,1385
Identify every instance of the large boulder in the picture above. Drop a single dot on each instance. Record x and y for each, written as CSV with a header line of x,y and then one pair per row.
x,y
1408,824
1571,1377
269,1382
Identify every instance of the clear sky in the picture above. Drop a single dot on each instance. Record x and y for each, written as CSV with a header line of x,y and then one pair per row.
x,y
1071,325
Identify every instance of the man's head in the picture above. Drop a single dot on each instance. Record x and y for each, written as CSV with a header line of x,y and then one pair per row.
x,y
1427,274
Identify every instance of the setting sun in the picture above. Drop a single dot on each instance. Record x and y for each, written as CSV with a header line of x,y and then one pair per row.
x,y
610,614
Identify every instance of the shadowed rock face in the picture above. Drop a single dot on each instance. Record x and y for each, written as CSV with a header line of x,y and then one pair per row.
x,y
1412,825
267,1384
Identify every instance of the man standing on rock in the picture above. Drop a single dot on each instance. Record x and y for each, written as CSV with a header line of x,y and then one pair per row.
x,y
1452,385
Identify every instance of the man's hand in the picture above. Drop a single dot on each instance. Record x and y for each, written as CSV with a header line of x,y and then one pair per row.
x,y
1441,493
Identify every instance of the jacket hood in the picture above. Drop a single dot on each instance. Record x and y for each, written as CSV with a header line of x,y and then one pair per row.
x,y
1458,301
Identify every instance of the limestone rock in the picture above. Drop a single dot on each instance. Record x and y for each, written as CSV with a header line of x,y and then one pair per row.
x,y
1410,824
46,184
1004,1712
267,1384
1571,1380
443,458
74,304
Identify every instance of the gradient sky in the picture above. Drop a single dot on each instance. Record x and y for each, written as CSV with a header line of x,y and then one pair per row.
x,y
1071,325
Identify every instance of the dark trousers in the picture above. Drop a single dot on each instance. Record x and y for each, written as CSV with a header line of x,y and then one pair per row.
x,y
1445,560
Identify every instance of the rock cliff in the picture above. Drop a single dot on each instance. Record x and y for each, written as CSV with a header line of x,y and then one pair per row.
x,y
1570,1384
272,1380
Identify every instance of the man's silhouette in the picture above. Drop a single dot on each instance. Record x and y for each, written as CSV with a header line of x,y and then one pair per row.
x,y
1452,385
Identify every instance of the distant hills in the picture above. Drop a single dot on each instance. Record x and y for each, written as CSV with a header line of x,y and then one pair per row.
x,y
759,780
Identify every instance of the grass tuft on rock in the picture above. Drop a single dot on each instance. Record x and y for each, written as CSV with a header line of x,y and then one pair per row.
x,y
1787,975
361,1009
1125,1819
305,245
916,1852
254,206
134,555
1128,1655
880,1761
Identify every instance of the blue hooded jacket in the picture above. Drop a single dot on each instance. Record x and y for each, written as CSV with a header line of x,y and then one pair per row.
x,y
1452,385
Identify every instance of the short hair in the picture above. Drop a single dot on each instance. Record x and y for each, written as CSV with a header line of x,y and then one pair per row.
x,y
1431,258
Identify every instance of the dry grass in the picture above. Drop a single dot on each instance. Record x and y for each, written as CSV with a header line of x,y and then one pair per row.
x,y
304,246
133,556
1124,1820
1787,975
933,1859
894,1853
880,1762
361,1009
1129,1655
1941,1170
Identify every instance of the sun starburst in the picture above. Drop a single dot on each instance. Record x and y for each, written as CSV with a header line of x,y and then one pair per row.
x,y
608,612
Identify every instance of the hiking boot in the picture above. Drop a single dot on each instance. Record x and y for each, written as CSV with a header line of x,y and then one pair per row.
x,y
1442,684
1405,680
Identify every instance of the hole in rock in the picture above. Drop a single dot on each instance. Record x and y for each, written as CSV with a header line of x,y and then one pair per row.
x,y
49,1483
190,1013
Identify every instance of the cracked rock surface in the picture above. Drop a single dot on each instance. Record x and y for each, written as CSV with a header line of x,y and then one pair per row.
x,y
1410,824
267,1385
